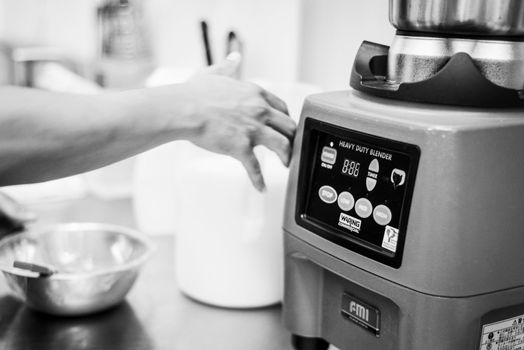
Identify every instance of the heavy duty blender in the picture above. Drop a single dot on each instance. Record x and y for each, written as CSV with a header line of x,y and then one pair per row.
x,y
404,224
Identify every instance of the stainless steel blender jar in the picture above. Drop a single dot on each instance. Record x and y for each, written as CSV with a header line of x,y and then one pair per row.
x,y
404,224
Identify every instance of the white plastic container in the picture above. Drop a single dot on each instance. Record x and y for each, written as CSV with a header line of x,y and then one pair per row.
x,y
229,248
155,179
114,181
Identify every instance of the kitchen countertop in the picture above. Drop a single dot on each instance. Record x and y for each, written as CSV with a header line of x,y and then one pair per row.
x,y
155,314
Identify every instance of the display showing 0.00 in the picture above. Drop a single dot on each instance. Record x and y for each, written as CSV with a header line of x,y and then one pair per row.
x,y
350,168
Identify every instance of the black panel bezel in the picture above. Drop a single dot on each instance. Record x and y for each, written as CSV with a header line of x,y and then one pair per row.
x,y
340,237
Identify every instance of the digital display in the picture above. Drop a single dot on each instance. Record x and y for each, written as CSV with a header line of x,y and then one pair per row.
x,y
350,168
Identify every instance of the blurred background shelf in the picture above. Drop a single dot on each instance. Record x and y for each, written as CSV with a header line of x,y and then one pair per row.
x,y
284,40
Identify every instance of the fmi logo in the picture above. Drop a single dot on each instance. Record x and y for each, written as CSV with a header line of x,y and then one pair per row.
x,y
361,313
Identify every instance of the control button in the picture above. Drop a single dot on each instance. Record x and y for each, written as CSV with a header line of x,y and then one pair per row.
x,y
382,215
370,184
346,201
398,177
371,180
373,166
363,208
327,194
329,155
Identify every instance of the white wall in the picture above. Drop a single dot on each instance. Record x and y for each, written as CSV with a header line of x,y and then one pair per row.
x,y
331,33
311,40
2,22
269,28
63,23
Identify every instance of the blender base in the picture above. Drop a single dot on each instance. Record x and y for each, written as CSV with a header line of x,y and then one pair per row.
x,y
314,305
306,343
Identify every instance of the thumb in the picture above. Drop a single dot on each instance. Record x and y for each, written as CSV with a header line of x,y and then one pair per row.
x,y
12,210
228,67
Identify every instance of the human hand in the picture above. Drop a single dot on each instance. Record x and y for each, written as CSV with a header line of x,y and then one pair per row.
x,y
234,116
13,216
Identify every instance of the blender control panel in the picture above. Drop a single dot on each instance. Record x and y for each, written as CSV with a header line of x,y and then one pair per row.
x,y
355,189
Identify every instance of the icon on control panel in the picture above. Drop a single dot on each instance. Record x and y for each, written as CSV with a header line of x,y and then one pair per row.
x,y
390,238
329,155
398,177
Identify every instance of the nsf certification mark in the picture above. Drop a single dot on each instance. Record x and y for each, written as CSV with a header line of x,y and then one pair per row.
x,y
503,335
390,238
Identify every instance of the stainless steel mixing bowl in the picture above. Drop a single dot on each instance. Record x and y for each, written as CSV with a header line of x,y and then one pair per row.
x,y
95,266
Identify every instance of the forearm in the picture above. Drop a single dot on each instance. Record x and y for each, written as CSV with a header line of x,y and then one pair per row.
x,y
45,135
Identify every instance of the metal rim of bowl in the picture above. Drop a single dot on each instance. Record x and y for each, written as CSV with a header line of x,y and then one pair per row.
x,y
149,249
